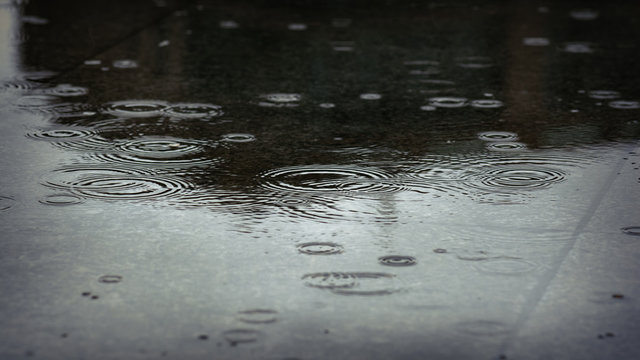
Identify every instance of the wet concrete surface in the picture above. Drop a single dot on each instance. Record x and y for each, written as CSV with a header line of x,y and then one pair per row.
x,y
312,180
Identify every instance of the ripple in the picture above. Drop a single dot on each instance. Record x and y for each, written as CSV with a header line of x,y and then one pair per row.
x,y
579,47
129,188
370,284
604,94
61,200
495,136
17,84
329,178
110,279
241,336
428,108
397,260
238,138
60,134
135,108
320,248
64,90
66,177
506,146
474,62
297,27
584,14
505,266
483,327
330,280
125,64
518,177
327,105
625,104
370,96
535,41
448,102
280,100
422,63
258,316
6,203
632,230
324,208
486,104
36,101
194,110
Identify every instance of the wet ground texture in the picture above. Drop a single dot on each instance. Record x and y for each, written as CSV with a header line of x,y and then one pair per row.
x,y
319,180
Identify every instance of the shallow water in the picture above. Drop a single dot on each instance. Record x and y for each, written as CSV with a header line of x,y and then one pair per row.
x,y
272,180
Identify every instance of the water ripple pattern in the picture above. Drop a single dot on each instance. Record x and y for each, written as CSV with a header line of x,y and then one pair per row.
x,y
136,108
194,110
625,104
486,104
397,260
448,102
354,283
505,266
77,139
604,94
64,90
61,200
6,202
320,248
497,136
280,100
506,146
258,316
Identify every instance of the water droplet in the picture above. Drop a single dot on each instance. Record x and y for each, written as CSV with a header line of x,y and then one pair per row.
x,y
297,27
474,62
584,14
448,102
632,230
125,64
482,327
6,203
238,138
341,22
258,316
625,104
228,24
495,136
241,336
506,146
397,260
65,90
135,108
486,104
61,200
604,94
370,96
535,41
505,266
320,248
579,47
193,110
110,279
327,105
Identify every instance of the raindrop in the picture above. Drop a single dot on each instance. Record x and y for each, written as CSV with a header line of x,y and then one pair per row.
x,y
604,94
584,14
327,105
135,108
238,138
397,260
482,327
632,230
61,200
370,96
320,248
625,104
125,64
258,316
297,27
330,280
228,24
193,110
65,90
497,136
448,102
6,203
506,146
535,41
579,47
241,336
110,279
505,266
475,62
486,103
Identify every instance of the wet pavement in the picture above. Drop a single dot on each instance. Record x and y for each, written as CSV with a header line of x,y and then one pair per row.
x,y
313,180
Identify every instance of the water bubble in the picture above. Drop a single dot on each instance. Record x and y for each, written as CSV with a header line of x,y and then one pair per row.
x,y
483,327
6,203
474,62
258,316
448,102
497,136
228,24
135,108
505,266
604,94
625,104
297,27
110,279
341,22
486,103
397,260
193,110
320,248
535,41
65,90
327,105
125,64
506,146
61,200
632,230
584,14
241,336
370,96
579,47
238,138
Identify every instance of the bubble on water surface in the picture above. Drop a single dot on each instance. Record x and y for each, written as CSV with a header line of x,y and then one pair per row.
x,y
320,248
535,41
228,24
61,200
604,94
370,96
448,102
194,110
632,230
579,47
495,136
506,146
125,64
238,138
475,62
483,327
297,27
505,266
486,104
584,14
242,336
6,203
258,316
625,104
135,108
110,279
397,260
